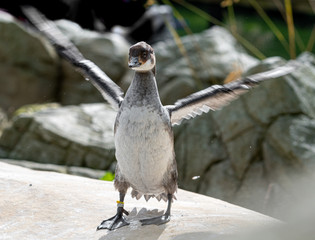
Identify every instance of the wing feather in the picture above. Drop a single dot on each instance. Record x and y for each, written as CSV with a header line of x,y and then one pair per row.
x,y
218,96
66,49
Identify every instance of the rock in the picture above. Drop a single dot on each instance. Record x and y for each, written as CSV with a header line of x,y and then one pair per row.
x,y
208,60
47,205
108,51
78,171
29,66
288,155
32,72
74,135
220,174
248,152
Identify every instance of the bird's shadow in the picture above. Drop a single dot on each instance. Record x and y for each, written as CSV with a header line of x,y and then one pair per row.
x,y
135,230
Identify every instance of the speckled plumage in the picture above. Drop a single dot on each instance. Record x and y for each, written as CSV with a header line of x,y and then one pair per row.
x,y
144,141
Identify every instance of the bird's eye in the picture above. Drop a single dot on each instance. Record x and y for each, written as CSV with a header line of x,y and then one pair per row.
x,y
144,54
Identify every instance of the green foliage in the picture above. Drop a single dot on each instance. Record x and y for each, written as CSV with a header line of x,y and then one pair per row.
x,y
108,176
263,34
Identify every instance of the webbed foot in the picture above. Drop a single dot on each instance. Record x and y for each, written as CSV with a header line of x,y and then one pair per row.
x,y
115,222
156,220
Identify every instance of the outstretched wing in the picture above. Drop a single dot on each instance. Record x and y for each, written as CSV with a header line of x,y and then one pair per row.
x,y
217,96
66,49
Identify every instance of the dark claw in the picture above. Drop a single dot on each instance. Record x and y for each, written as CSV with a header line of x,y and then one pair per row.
x,y
156,220
115,222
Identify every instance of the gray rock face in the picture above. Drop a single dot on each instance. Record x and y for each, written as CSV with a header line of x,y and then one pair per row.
x,y
108,51
29,66
74,136
32,72
208,60
248,152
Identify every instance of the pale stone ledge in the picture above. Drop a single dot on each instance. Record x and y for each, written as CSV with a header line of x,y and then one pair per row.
x,y
48,205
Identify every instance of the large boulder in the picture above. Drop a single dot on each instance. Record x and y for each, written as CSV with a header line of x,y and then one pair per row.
x,y
29,66
108,51
73,136
203,59
46,205
31,71
247,152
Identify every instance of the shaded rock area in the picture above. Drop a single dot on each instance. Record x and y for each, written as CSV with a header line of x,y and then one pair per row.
x,y
251,152
46,205
73,136
29,66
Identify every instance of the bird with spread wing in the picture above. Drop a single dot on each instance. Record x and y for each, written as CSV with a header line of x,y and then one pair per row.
x,y
144,139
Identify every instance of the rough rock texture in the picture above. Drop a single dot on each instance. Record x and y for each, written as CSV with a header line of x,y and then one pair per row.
x,y
32,72
46,205
108,51
207,60
29,66
248,152
74,136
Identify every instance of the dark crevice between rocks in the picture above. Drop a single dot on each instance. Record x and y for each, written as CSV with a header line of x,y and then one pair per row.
x,y
207,169
7,133
261,140
68,159
253,159
216,135
272,185
298,165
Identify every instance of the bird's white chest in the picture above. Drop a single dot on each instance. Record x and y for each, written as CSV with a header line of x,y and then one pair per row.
x,y
144,148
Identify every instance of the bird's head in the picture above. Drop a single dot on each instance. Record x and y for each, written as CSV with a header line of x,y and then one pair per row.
x,y
141,57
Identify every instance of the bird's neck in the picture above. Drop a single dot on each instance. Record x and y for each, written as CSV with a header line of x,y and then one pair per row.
x,y
143,89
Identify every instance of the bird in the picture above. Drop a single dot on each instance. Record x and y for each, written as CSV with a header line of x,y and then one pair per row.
x,y
143,135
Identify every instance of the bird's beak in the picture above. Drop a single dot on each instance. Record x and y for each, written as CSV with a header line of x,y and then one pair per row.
x,y
133,62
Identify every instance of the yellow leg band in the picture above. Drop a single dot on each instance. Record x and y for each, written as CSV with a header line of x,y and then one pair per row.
x,y
120,204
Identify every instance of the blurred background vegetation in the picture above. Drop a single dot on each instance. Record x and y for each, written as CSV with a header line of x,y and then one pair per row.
x,y
265,28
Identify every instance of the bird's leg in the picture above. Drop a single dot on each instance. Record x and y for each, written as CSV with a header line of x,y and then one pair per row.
x,y
118,220
166,217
